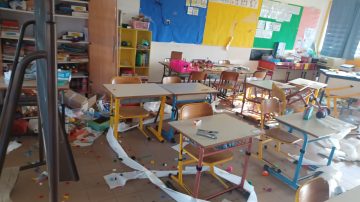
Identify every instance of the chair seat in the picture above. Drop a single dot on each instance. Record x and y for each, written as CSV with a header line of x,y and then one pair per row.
x,y
133,112
282,136
223,86
223,156
256,99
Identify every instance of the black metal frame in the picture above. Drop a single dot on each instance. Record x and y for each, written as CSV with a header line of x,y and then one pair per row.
x,y
57,147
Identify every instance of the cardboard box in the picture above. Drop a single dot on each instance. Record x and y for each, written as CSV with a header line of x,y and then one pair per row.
x,y
75,100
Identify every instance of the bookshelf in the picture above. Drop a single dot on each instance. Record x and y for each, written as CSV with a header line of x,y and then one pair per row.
x,y
65,22
134,52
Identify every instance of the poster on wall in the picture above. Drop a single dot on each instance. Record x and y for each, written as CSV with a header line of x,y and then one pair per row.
x,y
278,22
242,3
307,28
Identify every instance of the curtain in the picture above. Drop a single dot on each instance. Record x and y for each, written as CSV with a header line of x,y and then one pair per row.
x,y
343,31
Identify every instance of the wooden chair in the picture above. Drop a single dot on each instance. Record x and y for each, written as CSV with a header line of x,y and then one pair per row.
x,y
171,79
168,80
215,77
260,74
270,108
176,55
314,190
197,110
197,77
228,82
131,111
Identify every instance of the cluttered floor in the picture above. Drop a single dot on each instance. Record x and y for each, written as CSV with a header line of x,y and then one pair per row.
x,y
97,160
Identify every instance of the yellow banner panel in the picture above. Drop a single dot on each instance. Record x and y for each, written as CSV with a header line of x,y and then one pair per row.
x,y
228,25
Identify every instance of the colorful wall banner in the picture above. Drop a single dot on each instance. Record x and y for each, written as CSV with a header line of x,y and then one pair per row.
x,y
228,23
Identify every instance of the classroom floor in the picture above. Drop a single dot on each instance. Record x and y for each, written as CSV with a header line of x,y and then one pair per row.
x,y
95,161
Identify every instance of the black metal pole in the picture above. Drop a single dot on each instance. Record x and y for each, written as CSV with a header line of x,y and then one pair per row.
x,y
8,113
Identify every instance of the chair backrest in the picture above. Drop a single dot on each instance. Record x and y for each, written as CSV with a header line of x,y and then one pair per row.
x,y
279,94
260,74
171,79
224,62
125,80
195,110
197,77
229,76
314,190
175,55
271,105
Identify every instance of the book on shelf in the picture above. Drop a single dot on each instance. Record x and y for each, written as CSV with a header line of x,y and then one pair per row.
x,y
80,14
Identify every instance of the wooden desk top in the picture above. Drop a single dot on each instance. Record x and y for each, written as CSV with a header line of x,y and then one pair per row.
x,y
136,90
29,84
308,83
188,88
267,84
314,126
229,128
348,196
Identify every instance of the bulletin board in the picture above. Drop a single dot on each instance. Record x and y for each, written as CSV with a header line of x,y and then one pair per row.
x,y
307,28
225,20
170,21
278,22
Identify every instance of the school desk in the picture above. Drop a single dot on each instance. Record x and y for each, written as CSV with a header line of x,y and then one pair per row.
x,y
136,93
215,70
230,130
185,93
312,131
341,79
349,196
305,84
265,85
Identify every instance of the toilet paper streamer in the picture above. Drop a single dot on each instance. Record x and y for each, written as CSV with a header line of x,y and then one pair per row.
x,y
119,179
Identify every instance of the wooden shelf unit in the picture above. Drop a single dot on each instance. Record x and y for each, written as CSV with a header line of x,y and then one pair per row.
x,y
128,55
63,21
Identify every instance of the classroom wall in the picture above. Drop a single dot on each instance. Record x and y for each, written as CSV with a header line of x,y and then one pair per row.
x,y
159,51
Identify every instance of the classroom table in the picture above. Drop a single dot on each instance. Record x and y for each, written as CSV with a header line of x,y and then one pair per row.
x,y
265,85
306,84
336,79
185,93
215,70
231,130
137,92
351,195
312,130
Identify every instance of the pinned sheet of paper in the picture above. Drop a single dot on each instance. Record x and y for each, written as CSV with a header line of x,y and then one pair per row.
x,y
195,11
190,10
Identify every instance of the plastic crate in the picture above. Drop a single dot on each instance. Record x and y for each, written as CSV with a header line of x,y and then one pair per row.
x,y
140,25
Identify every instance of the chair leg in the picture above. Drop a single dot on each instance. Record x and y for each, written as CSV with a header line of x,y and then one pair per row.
x,y
141,128
278,146
212,172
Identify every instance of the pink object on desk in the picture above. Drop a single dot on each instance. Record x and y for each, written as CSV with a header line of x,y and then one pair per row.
x,y
182,66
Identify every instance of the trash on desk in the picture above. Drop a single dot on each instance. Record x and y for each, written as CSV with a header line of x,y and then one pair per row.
x,y
207,133
197,122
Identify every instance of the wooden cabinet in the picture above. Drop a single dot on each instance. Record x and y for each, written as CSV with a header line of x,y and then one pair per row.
x,y
103,49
